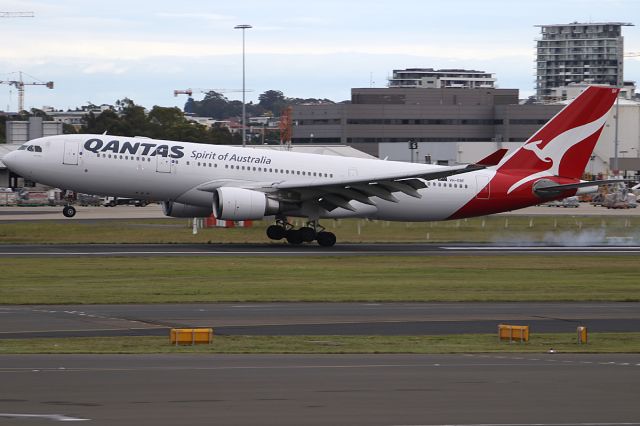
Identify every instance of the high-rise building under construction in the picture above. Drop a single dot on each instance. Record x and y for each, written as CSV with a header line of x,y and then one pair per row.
x,y
589,53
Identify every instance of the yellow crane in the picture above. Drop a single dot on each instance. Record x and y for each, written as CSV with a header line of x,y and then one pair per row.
x,y
19,84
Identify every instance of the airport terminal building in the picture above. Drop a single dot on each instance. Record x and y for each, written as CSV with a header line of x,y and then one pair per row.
x,y
451,125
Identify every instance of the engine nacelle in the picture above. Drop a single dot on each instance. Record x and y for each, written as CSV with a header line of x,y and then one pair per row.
x,y
173,209
243,204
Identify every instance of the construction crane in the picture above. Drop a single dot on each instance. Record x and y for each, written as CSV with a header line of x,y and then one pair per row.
x,y
19,84
16,15
189,92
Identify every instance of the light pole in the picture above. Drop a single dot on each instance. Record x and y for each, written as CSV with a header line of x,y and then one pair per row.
x,y
244,111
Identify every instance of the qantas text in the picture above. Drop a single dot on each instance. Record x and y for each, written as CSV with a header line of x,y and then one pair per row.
x,y
134,148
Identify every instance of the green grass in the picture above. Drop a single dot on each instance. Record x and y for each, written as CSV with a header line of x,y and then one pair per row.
x,y
487,229
85,280
464,343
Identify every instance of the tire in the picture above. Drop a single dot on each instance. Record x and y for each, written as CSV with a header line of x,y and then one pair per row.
x,y
294,237
326,239
69,211
276,232
307,234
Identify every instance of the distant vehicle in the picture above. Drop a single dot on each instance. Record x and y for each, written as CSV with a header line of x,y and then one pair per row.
x,y
89,200
567,202
619,200
123,201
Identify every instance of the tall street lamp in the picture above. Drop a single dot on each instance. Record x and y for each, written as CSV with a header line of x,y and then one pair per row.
x,y
244,111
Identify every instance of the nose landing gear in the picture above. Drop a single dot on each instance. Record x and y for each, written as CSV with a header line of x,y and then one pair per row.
x,y
313,231
69,211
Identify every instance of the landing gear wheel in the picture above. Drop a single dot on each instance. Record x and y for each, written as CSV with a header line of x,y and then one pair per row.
x,y
276,232
294,237
69,211
307,234
326,239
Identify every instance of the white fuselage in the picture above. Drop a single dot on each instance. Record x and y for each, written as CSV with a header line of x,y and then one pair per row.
x,y
170,171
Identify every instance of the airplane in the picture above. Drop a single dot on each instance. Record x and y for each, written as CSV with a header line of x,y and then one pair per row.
x,y
234,183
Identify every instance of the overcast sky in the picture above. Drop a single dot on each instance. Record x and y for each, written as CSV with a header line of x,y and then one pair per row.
x,y
101,51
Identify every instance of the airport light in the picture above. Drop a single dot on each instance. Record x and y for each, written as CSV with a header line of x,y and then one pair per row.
x,y
244,111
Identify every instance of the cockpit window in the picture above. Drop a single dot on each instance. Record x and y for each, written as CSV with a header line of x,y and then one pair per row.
x,y
34,148
22,147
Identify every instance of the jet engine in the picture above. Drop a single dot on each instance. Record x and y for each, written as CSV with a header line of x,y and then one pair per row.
x,y
243,204
173,209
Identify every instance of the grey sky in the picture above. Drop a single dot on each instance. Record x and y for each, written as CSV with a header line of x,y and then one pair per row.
x,y
103,51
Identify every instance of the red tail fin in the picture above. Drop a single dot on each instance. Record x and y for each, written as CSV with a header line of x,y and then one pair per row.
x,y
563,146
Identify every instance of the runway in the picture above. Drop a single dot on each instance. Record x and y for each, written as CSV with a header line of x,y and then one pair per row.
x,y
528,389
313,318
281,249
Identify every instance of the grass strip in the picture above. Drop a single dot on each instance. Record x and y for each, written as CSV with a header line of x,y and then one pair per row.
x,y
450,344
496,278
490,229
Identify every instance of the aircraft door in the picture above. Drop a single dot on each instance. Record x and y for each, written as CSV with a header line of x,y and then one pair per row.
x,y
163,164
483,187
70,155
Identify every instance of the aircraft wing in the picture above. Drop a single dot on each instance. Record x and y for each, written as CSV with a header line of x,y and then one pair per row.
x,y
339,192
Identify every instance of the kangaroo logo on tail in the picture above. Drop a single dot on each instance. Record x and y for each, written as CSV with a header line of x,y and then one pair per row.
x,y
562,147
553,152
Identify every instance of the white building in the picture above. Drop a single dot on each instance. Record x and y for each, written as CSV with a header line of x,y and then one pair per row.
x,y
430,78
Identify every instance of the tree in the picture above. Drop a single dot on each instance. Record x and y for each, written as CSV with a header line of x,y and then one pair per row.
x,y
273,100
160,123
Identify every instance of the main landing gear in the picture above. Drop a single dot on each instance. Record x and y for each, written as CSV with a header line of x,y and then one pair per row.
x,y
313,231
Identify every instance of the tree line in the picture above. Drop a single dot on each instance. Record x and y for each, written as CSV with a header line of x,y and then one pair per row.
x,y
169,123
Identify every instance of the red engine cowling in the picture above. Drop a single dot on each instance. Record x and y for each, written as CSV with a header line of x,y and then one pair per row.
x,y
243,204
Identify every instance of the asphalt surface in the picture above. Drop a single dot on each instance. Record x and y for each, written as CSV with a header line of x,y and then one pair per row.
x,y
280,249
313,318
541,389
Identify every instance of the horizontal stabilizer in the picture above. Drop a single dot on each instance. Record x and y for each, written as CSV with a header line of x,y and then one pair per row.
x,y
547,188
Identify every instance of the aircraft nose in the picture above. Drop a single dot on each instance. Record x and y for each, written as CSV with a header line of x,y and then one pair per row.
x,y
10,159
